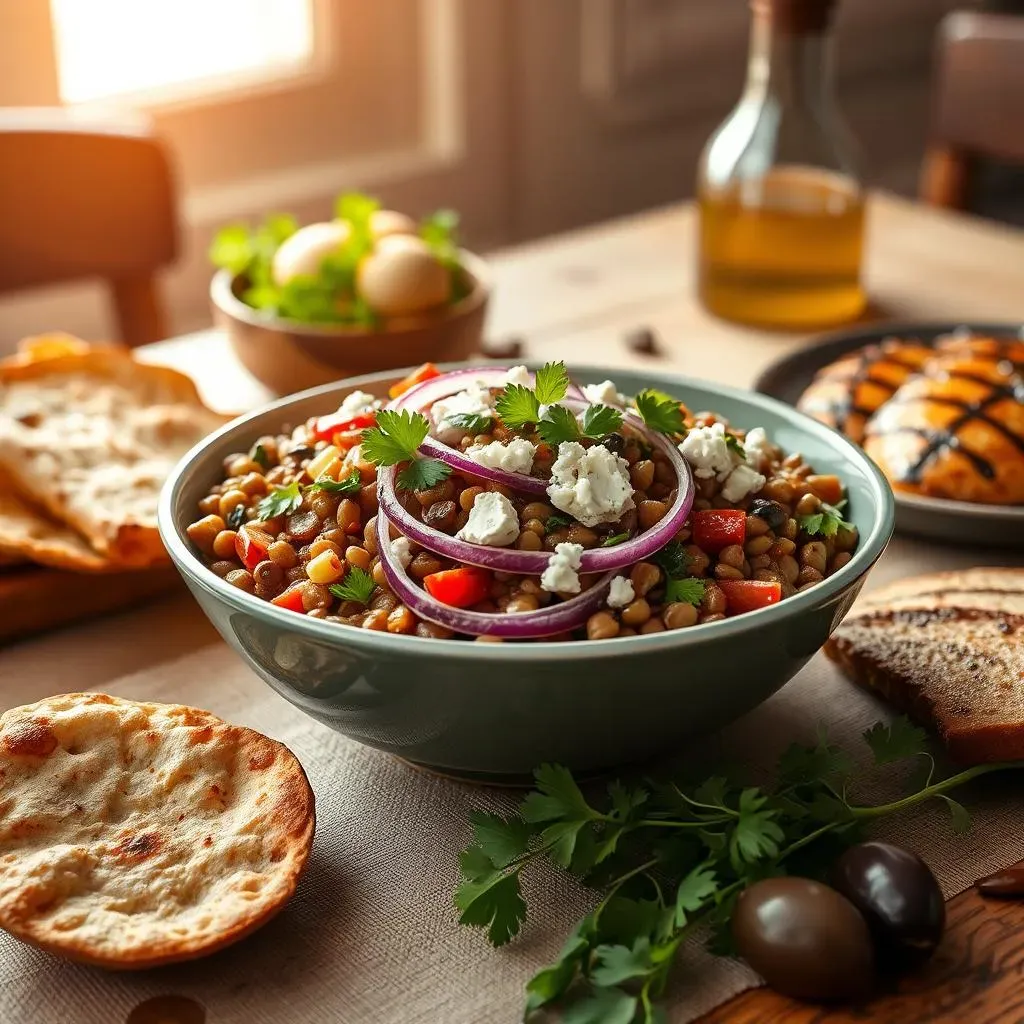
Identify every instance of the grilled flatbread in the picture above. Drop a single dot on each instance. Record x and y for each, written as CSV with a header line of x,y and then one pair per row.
x,y
91,436
947,649
29,535
135,834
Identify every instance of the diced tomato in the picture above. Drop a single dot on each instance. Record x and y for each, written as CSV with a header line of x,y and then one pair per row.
x,y
251,546
460,588
340,423
425,372
717,528
291,599
749,595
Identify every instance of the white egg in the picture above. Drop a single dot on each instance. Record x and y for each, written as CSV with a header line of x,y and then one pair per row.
x,y
402,276
303,252
384,223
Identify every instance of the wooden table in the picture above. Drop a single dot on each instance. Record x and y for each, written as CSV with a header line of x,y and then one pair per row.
x,y
575,297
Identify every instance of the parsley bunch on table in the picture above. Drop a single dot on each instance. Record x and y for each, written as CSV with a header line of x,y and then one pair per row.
x,y
671,857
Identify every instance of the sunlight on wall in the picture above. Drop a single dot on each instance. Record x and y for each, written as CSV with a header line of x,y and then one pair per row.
x,y
112,48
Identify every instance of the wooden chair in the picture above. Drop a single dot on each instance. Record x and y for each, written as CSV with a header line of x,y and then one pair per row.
x,y
85,197
978,105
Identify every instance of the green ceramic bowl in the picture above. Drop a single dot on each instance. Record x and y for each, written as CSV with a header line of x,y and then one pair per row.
x,y
502,709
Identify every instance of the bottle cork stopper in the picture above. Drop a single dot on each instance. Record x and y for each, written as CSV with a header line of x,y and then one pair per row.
x,y
797,16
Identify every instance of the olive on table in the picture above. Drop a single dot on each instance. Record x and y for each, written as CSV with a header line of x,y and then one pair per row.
x,y
804,939
899,898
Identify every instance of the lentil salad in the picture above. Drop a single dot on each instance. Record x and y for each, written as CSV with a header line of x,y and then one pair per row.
x,y
519,506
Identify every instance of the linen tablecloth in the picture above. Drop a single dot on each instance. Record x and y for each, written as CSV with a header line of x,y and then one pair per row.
x,y
371,935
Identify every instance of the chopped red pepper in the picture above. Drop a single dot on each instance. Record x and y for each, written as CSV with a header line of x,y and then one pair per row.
x,y
251,545
460,588
291,598
717,528
339,423
418,376
749,595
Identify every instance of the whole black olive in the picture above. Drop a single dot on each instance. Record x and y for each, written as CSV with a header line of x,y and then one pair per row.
x,y
900,900
614,443
770,511
804,939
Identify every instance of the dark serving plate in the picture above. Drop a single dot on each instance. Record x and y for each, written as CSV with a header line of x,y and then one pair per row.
x,y
936,518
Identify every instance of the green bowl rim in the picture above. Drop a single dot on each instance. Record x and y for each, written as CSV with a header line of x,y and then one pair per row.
x,y
223,298
868,551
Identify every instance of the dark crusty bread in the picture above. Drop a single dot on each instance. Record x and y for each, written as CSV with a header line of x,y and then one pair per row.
x,y
947,649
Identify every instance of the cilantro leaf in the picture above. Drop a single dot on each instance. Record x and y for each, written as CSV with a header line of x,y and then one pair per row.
x,y
660,412
560,841
556,522
517,405
896,740
559,424
281,501
602,1006
260,457
349,485
236,517
756,834
422,474
600,420
470,422
550,983
395,438
673,559
357,586
803,765
502,840
615,538
689,590
492,902
694,892
615,964
558,797
551,383
961,816
826,523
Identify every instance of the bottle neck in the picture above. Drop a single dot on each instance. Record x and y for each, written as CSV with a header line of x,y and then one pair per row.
x,y
792,67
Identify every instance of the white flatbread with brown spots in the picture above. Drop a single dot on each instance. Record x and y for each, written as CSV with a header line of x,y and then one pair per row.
x,y
136,834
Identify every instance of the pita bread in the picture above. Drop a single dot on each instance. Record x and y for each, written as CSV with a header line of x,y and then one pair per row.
x,y
28,535
136,834
91,436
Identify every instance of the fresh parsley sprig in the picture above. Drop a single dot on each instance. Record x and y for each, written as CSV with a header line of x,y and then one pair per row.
x,y
560,424
674,560
689,590
660,412
357,586
281,501
471,422
350,484
518,405
669,857
826,522
396,438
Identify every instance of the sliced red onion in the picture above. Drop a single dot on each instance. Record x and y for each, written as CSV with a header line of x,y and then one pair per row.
x,y
464,464
560,618
429,391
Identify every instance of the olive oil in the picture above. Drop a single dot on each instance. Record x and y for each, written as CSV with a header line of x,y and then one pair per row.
x,y
784,250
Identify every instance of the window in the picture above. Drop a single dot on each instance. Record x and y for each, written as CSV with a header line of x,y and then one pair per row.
x,y
136,48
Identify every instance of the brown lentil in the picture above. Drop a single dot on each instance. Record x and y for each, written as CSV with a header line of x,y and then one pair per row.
x,y
268,578
679,615
242,579
636,613
224,544
221,569
602,626
814,555
644,576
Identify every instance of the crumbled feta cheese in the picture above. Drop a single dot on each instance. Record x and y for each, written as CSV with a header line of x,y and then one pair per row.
x,y
401,550
590,484
519,375
742,481
757,446
359,401
514,457
492,520
562,573
353,455
605,393
621,592
707,452
475,400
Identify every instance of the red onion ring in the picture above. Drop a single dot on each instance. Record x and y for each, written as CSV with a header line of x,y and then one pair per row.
x,y
466,465
429,391
562,617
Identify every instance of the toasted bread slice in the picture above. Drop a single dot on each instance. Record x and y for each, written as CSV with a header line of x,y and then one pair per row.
x,y
947,649
136,834
91,435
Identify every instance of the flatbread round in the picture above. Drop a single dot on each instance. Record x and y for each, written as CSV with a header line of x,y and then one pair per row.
x,y
136,834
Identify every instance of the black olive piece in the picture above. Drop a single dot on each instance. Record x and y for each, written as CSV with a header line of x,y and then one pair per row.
x,y
900,900
236,517
770,511
642,340
614,443
804,939
300,452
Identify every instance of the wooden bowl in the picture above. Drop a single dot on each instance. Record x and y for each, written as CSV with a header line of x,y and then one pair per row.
x,y
290,356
